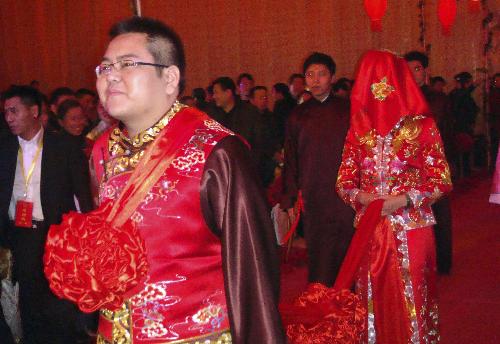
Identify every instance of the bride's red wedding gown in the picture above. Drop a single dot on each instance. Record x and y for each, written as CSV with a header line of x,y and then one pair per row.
x,y
336,315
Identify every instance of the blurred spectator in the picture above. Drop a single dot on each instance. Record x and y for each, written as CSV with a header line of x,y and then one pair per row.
x,y
187,100
245,83
200,100
266,134
438,84
88,101
464,110
284,103
57,96
297,85
342,88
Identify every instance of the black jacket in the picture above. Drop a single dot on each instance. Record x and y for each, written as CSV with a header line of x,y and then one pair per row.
x,y
64,174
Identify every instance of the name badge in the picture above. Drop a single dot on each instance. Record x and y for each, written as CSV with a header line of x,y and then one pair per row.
x,y
24,214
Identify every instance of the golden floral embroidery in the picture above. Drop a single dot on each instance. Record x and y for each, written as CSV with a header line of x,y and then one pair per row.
x,y
418,169
368,139
382,89
205,315
121,325
410,129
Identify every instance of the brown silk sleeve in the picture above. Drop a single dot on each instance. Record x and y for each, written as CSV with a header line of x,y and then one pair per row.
x,y
234,207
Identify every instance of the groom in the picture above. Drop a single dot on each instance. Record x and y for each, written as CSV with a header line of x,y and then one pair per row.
x,y
212,265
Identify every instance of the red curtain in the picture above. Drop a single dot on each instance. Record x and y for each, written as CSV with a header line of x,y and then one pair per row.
x,y
57,42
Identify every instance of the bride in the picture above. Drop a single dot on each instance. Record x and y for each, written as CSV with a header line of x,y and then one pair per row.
x,y
393,168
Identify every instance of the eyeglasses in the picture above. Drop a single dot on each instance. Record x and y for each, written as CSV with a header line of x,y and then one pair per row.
x,y
106,68
321,74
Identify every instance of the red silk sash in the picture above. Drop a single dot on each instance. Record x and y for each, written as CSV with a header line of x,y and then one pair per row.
x,y
374,236
359,246
151,167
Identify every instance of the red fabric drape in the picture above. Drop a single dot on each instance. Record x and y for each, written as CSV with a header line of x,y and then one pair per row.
x,y
374,235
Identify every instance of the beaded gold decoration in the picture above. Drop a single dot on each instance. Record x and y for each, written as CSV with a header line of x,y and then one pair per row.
x,y
126,152
381,90
368,139
410,129
121,325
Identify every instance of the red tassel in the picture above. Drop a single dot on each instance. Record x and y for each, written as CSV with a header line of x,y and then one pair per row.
x,y
474,6
376,25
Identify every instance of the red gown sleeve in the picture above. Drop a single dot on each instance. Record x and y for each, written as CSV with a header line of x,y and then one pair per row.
x,y
435,169
348,178
234,207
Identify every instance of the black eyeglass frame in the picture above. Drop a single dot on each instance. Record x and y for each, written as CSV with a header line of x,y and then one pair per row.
x,y
134,64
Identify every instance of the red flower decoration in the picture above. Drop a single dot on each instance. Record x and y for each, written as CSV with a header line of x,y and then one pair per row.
x,y
324,315
93,263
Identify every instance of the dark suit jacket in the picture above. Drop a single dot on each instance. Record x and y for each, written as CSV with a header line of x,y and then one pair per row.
x,y
64,173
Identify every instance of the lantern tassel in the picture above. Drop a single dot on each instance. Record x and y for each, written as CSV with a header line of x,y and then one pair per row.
x,y
376,25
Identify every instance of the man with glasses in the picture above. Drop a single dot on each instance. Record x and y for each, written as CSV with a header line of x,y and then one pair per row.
x,y
313,151
192,257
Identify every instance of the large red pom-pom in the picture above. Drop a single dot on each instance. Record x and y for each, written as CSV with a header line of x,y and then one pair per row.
x,y
93,263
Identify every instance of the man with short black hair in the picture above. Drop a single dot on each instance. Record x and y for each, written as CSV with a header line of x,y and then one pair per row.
x,y
41,174
314,141
239,116
438,84
267,134
192,257
418,63
245,83
200,99
296,84
88,100
258,98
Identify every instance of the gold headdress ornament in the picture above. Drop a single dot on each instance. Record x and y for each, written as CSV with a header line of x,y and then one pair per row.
x,y
382,89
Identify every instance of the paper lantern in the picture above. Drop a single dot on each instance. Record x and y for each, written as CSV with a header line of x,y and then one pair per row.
x,y
474,6
447,12
375,10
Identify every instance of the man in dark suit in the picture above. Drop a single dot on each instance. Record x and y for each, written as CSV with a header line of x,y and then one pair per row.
x,y
40,178
237,115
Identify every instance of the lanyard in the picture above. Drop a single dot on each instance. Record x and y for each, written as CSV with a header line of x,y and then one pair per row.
x,y
27,178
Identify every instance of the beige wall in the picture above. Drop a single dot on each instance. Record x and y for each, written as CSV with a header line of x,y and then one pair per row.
x,y
59,42
270,38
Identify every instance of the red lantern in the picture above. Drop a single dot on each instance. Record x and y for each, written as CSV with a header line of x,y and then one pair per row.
x,y
474,6
447,11
375,10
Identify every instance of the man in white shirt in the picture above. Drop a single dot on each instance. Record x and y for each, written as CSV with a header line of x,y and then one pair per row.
x,y
40,176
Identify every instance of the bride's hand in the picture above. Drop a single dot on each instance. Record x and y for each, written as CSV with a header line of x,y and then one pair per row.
x,y
392,203
366,198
